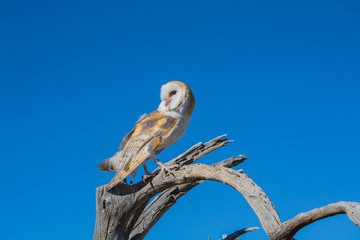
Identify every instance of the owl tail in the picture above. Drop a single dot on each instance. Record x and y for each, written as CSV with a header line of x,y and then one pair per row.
x,y
120,175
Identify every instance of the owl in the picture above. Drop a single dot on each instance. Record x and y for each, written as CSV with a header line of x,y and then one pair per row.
x,y
153,133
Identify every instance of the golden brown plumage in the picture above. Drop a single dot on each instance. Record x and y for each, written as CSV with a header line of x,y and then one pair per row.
x,y
153,133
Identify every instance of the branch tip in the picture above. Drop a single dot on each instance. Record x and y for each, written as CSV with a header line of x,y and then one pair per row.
x,y
238,233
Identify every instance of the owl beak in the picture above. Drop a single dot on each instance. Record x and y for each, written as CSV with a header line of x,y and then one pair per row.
x,y
167,101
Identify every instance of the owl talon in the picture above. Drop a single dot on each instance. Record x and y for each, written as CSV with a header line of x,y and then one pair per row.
x,y
168,170
148,176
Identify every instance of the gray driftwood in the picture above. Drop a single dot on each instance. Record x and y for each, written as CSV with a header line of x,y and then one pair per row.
x,y
126,212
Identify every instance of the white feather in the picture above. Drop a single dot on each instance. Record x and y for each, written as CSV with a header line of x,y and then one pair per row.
x,y
141,117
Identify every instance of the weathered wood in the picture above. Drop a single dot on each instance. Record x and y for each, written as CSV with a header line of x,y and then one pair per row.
x,y
288,229
236,234
164,201
253,194
118,211
125,211
239,233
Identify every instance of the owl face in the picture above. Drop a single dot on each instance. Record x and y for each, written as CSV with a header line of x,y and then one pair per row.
x,y
177,100
172,95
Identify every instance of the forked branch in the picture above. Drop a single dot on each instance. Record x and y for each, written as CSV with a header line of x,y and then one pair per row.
x,y
125,212
165,200
289,228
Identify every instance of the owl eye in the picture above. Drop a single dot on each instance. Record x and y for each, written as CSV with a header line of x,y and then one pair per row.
x,y
173,92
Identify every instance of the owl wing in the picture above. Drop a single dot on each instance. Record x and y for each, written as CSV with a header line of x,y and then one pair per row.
x,y
146,136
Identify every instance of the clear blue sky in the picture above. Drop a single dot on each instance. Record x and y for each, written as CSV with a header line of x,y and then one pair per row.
x,y
282,78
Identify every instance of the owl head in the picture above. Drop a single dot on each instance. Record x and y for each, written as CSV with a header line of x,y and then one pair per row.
x,y
176,97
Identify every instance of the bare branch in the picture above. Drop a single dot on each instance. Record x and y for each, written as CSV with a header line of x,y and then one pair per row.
x,y
165,200
239,233
119,210
254,195
353,211
122,213
199,150
288,229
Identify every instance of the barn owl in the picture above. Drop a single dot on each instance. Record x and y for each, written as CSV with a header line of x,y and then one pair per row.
x,y
153,133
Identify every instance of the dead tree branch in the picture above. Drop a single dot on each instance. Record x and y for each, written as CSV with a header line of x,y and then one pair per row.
x,y
118,211
125,212
289,228
238,233
253,194
164,201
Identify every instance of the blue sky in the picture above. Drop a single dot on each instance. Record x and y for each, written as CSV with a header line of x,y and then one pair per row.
x,y
281,78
